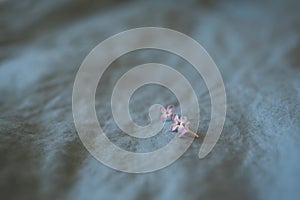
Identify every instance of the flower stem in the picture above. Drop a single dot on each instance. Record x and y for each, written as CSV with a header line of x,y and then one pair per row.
x,y
193,133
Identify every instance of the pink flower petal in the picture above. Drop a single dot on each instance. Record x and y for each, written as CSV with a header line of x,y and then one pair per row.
x,y
170,108
162,109
187,124
182,130
176,119
163,117
174,127
171,127
172,116
183,119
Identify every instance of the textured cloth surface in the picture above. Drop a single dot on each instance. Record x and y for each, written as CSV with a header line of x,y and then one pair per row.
x,y
256,46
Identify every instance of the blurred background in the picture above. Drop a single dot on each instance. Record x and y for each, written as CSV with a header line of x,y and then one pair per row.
x,y
255,44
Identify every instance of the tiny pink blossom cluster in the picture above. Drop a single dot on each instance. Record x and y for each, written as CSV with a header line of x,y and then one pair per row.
x,y
180,124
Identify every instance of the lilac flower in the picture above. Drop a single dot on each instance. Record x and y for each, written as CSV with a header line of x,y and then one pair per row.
x,y
166,113
182,126
179,125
